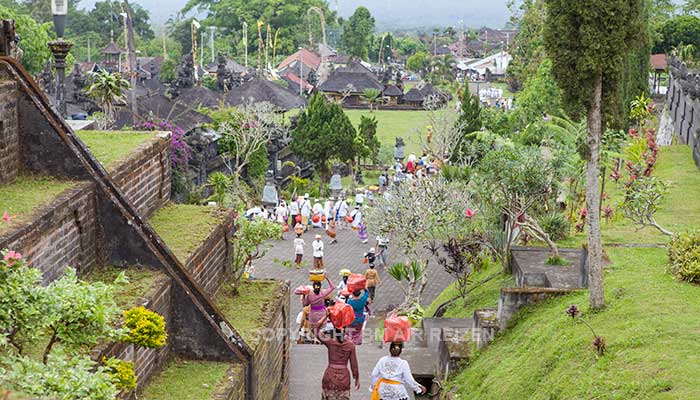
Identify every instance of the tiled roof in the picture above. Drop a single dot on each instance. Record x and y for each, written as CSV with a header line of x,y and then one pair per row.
x,y
309,58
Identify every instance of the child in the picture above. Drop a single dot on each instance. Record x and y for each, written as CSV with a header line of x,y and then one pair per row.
x,y
371,274
331,231
371,256
298,250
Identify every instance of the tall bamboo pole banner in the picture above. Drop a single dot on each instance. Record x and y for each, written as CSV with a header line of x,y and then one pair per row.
x,y
195,26
274,47
245,43
260,46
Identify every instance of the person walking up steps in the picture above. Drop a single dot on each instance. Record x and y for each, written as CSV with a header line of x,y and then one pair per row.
x,y
305,209
298,250
293,212
382,245
336,379
317,246
391,374
372,277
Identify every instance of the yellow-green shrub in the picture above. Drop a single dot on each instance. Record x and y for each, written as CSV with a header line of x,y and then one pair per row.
x,y
684,256
144,328
121,372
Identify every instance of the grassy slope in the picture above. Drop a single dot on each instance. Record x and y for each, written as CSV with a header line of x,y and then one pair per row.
x,y
24,195
112,146
184,227
395,123
246,311
186,380
485,295
649,325
678,212
142,281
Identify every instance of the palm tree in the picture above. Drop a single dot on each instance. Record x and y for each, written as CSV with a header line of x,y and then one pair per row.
x,y
371,95
108,89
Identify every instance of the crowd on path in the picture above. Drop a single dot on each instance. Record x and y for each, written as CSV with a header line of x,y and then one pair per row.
x,y
336,315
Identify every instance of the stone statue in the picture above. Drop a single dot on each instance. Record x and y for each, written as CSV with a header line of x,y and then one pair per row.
x,y
185,73
46,78
399,149
311,78
224,77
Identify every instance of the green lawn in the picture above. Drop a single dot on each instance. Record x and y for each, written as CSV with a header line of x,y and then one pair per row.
x,y
679,210
650,326
407,124
24,195
183,227
112,146
487,285
142,282
186,380
246,311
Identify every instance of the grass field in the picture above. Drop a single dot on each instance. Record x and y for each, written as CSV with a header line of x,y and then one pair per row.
x,y
112,146
24,195
186,380
391,124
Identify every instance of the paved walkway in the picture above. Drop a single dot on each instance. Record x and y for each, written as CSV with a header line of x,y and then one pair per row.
x,y
309,361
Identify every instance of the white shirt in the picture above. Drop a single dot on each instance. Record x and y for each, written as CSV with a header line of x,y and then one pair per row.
x,y
317,245
318,209
382,241
294,208
306,208
357,218
342,208
394,369
328,208
359,198
282,213
299,246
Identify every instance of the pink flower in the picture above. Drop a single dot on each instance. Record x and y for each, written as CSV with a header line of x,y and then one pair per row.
x,y
608,212
584,212
12,256
615,175
469,213
6,217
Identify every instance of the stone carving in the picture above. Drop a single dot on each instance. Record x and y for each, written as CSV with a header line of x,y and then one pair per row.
x,y
224,77
46,78
185,73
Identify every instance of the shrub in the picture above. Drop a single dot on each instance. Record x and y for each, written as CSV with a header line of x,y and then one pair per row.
x,y
556,225
684,256
121,372
144,327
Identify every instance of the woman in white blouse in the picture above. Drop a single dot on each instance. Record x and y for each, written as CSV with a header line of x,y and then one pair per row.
x,y
390,374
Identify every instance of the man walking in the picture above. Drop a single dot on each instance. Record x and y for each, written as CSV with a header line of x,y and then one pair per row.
x,y
317,246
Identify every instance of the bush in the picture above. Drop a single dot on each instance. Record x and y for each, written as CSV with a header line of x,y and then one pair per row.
x,y
144,327
121,372
556,225
684,256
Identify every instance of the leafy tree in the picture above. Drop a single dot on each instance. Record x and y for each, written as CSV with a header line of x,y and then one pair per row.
x,y
588,43
540,96
108,89
34,36
469,121
168,71
527,47
251,241
408,46
357,33
289,16
683,29
371,95
105,19
323,133
367,130
417,62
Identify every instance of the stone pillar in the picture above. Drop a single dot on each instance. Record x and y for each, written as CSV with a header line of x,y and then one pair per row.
x,y
60,50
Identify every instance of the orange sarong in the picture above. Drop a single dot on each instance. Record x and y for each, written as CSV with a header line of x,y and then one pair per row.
x,y
375,392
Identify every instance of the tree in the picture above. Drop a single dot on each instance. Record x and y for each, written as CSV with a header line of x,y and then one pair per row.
x,y
357,33
417,62
367,130
444,135
588,43
323,133
371,95
527,47
245,134
435,210
468,122
540,97
683,29
251,241
108,90
34,37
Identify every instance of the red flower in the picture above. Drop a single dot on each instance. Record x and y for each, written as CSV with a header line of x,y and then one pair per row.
x,y
608,212
615,175
584,212
633,133
469,213
12,256
6,217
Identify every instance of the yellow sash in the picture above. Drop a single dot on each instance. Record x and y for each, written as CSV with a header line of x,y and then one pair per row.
x,y
375,392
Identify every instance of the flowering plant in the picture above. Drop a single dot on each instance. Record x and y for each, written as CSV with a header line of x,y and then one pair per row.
x,y
181,151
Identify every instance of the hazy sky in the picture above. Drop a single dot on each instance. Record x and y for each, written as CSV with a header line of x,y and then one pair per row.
x,y
402,13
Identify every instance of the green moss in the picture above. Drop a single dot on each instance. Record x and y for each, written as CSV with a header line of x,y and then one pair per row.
x,y
142,282
392,124
678,212
184,227
648,324
112,146
483,296
24,195
247,311
186,380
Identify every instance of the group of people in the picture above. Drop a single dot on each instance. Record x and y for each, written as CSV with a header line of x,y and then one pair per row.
x,y
391,372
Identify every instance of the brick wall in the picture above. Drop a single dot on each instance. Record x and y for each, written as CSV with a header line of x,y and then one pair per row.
x,y
64,233
144,178
271,358
147,361
9,132
234,387
211,264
